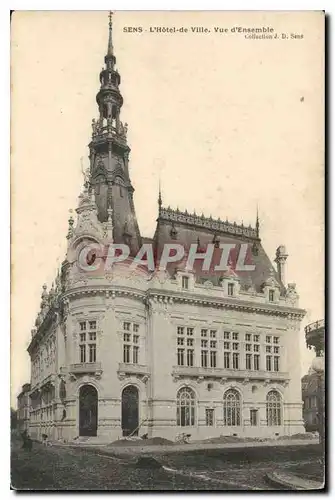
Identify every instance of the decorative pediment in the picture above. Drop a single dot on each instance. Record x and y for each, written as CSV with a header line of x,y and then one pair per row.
x,y
88,226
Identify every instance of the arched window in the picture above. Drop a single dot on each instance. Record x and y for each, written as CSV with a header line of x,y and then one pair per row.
x,y
273,408
186,407
232,408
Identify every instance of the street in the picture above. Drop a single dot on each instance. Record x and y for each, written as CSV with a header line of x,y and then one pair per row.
x,y
66,468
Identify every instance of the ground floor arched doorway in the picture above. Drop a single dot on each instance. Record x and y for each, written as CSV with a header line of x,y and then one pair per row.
x,y
88,411
130,411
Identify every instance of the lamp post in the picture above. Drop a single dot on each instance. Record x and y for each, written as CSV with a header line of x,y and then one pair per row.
x,y
319,367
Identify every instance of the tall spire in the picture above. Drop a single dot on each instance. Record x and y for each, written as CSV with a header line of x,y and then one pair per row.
x,y
110,38
109,156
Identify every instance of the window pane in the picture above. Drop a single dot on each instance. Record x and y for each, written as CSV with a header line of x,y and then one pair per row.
x,y
135,354
213,359
82,353
185,407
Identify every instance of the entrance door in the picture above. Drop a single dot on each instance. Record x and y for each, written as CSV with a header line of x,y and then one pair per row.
x,y
88,411
130,418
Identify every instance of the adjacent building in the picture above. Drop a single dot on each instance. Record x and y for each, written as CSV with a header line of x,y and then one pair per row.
x,y
313,384
23,408
121,351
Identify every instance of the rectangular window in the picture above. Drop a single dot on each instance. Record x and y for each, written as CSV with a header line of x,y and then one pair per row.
x,y
190,357
209,417
82,325
226,345
135,328
235,360
126,337
93,353
271,295
135,354
276,349
204,359
226,359
213,344
256,347
135,339
256,338
268,339
204,343
248,347
126,353
213,334
83,337
93,325
190,331
180,341
235,346
226,335
180,330
180,357
184,282
268,363
204,333
231,289
190,342
276,340
213,359
253,417
126,326
248,337
235,336
256,361
276,364
268,348
248,361
82,353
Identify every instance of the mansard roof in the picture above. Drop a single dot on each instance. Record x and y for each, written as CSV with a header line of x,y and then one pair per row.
x,y
185,228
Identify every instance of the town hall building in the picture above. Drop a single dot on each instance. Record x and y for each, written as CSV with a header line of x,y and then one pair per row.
x,y
119,351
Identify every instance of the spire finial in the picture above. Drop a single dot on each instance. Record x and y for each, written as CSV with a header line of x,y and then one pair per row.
x,y
159,194
257,223
110,38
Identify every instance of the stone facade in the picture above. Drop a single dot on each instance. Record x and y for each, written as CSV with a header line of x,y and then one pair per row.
x,y
118,352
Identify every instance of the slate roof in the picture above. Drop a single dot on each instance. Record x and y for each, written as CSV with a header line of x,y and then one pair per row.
x,y
180,229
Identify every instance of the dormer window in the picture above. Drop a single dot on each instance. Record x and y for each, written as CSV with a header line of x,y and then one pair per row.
x,y
185,282
230,289
271,295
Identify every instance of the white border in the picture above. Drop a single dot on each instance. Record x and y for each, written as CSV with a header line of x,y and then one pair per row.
x,y
327,5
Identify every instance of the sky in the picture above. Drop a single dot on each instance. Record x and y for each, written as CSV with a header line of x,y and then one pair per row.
x,y
226,122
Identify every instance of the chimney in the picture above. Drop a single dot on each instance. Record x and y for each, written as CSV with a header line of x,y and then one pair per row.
x,y
280,260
